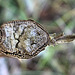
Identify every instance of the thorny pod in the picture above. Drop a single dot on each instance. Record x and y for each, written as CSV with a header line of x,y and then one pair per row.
x,y
25,39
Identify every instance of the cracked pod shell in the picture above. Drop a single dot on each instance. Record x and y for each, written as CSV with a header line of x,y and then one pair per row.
x,y
23,39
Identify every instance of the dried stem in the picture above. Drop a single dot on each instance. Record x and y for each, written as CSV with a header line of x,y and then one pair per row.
x,y
61,38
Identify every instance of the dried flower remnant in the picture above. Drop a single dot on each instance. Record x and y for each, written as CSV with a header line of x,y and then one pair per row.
x,y
25,39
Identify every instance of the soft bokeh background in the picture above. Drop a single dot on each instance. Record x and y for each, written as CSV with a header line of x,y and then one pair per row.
x,y
56,16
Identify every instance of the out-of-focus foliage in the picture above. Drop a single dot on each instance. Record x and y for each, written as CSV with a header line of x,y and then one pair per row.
x,y
56,16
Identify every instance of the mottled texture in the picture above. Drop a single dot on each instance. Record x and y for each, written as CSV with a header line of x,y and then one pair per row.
x,y
23,38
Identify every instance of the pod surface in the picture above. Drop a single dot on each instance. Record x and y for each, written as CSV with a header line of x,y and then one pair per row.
x,y
23,38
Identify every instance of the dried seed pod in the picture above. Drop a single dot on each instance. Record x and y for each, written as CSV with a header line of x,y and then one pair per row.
x,y
25,39
22,39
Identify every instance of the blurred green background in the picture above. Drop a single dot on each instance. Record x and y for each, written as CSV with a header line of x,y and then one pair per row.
x,y
56,16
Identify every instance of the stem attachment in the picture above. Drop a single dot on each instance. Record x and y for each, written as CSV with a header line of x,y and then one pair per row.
x,y
61,38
